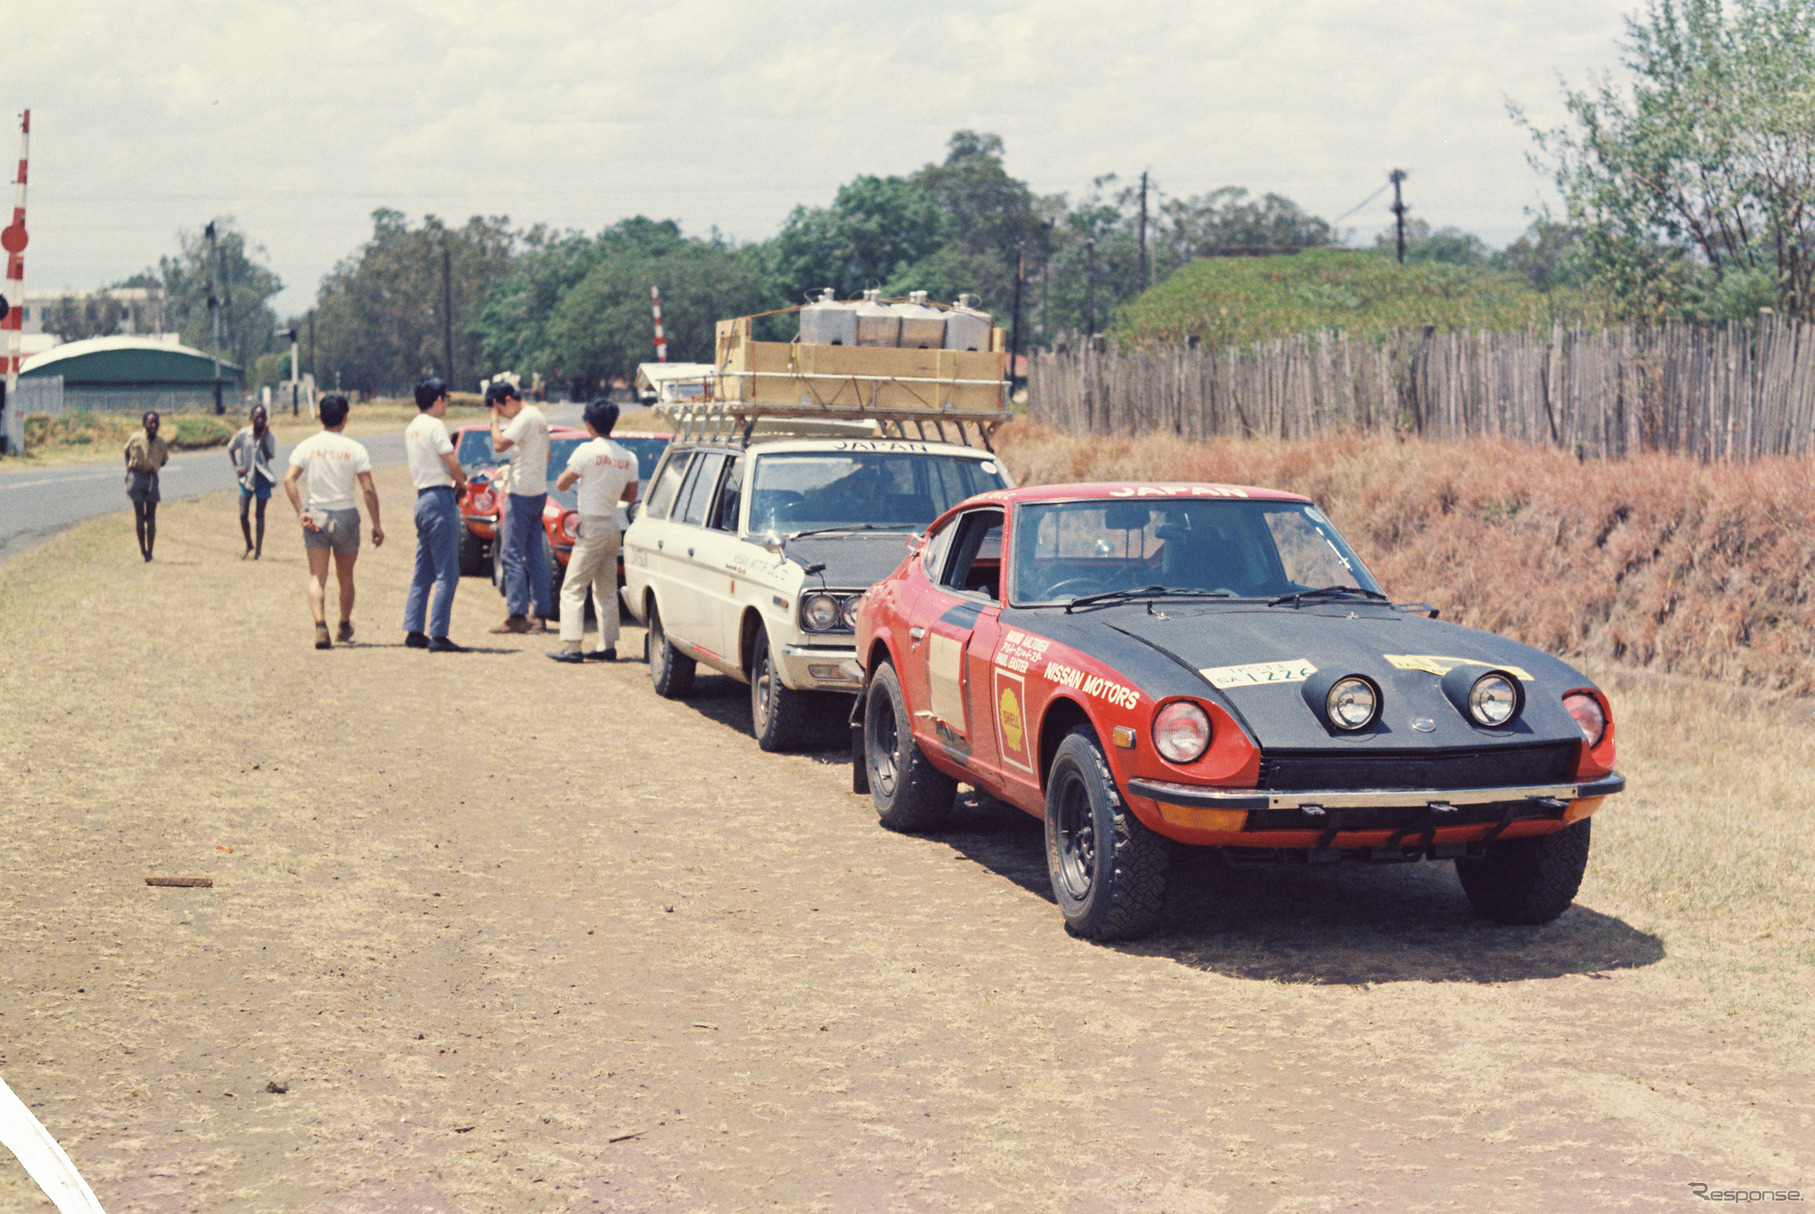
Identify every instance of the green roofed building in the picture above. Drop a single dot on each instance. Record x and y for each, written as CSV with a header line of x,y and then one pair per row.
x,y
131,374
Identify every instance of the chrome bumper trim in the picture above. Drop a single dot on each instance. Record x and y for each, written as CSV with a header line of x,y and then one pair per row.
x,y
1199,797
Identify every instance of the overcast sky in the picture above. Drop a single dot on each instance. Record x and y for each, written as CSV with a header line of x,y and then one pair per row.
x,y
298,119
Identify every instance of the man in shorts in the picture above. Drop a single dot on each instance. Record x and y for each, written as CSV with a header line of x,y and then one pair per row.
x,y
146,453
439,480
252,451
606,475
332,462
522,430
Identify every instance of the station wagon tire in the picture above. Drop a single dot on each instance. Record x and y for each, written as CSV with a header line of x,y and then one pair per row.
x,y
670,670
778,713
473,561
1108,869
1527,881
910,794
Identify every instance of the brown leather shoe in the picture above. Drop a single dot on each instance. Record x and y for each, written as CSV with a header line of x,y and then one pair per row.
x,y
345,634
514,623
537,624
322,640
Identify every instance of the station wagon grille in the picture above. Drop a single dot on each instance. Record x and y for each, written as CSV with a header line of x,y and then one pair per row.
x,y
1473,767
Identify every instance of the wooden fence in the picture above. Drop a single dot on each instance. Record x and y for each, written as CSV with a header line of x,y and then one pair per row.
x,y
1716,392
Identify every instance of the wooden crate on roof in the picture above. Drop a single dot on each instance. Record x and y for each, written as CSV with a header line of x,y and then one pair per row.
x,y
793,378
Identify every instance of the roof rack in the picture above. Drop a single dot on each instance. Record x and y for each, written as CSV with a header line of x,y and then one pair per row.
x,y
736,422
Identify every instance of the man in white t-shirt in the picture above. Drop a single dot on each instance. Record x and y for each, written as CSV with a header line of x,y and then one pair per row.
x,y
439,481
332,462
606,475
522,431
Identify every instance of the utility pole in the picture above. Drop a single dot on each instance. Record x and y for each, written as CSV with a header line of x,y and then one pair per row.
x,y
314,373
295,375
1090,277
1397,176
1014,348
447,309
13,239
1144,283
214,309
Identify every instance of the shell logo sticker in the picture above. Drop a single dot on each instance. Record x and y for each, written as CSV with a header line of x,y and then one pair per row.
x,y
1259,674
1008,710
1440,666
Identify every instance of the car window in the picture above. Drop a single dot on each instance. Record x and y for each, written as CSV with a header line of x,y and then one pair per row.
x,y
647,450
475,448
938,546
976,561
661,494
1246,548
806,490
560,450
696,493
724,515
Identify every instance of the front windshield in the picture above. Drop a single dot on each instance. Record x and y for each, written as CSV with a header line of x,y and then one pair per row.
x,y
797,491
475,448
560,450
1242,548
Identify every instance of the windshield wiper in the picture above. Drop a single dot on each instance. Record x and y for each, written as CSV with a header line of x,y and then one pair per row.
x,y
1110,596
1328,592
794,535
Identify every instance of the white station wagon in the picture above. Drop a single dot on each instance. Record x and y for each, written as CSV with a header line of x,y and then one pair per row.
x,y
751,557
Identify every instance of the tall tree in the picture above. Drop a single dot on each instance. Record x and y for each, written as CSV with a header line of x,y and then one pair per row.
x,y
875,229
1693,180
247,285
381,319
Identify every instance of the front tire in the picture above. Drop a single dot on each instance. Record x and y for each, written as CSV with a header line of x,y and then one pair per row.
x,y
670,670
778,712
1108,869
1527,881
910,794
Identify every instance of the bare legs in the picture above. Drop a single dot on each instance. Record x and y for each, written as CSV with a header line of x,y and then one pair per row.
x,y
145,521
318,581
245,526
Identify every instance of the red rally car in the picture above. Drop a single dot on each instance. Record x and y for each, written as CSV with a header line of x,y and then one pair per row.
x,y
1144,666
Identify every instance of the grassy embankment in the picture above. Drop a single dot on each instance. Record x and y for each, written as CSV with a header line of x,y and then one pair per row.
x,y
1660,562
79,437
1235,301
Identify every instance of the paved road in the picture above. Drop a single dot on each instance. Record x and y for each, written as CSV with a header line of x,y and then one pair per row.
x,y
36,504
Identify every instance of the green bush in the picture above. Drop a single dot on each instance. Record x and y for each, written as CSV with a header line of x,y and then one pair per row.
x,y
192,433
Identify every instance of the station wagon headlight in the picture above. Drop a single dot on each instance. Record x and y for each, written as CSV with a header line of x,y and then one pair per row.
x,y
1588,715
1181,731
1495,699
848,611
1352,703
820,612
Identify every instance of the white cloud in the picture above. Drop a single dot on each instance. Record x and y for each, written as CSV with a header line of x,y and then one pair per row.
x,y
300,118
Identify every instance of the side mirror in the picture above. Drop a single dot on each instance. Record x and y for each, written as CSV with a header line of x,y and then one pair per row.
x,y
771,542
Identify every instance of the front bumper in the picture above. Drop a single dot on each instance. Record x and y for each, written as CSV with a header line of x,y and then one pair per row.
x,y
821,667
1305,806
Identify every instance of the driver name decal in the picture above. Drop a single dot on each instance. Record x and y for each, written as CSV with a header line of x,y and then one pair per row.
x,y
1093,685
1259,674
1018,649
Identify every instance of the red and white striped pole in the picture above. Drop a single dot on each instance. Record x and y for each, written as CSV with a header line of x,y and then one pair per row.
x,y
661,343
13,240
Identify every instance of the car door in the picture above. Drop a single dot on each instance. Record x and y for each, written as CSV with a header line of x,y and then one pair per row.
x,y
722,590
943,623
691,578
645,542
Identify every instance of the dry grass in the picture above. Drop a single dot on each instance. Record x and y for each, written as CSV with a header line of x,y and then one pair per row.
x,y
1662,562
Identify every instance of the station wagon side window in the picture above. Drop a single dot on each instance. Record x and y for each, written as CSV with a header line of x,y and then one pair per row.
x,y
696,490
661,494
975,566
724,514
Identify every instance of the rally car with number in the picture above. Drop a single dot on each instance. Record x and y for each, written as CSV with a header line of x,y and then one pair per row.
x,y
1148,666
749,554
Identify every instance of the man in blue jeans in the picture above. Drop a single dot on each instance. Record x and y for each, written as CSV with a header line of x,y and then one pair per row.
x,y
440,480
522,431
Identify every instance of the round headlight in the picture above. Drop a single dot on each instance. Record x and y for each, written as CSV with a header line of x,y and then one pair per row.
x,y
1494,699
570,526
819,612
483,500
847,612
1181,731
1587,712
1352,703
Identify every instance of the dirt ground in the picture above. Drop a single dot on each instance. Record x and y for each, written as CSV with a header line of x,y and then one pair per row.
x,y
490,933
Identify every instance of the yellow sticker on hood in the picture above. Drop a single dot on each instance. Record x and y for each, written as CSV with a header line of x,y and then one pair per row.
x,y
1259,674
1440,666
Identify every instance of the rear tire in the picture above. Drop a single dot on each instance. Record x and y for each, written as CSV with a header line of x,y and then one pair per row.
x,y
778,713
1108,869
670,670
910,794
1527,881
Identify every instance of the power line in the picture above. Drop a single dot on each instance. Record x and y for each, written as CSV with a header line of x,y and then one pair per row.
x,y
1362,203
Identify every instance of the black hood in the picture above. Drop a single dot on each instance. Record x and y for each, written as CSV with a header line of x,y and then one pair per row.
x,y
1404,654
853,560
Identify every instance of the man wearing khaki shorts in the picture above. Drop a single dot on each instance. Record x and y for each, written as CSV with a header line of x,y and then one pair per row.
x,y
332,462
